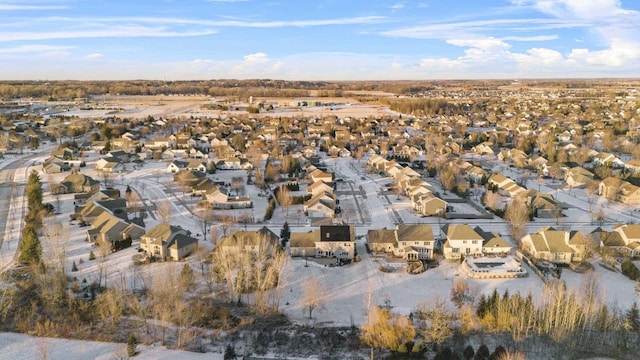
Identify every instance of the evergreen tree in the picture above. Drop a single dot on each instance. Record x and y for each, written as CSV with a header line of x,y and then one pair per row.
x,y
285,234
483,352
230,353
468,352
30,247
633,317
132,343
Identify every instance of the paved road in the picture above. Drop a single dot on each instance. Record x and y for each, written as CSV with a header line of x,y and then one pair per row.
x,y
7,174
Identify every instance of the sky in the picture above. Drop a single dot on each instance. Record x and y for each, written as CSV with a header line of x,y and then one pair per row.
x,y
318,40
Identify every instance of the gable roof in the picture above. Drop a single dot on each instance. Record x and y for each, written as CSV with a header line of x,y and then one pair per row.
x,y
415,232
381,236
336,233
461,232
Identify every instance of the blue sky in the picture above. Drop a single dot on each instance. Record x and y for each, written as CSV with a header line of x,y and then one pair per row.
x,y
318,40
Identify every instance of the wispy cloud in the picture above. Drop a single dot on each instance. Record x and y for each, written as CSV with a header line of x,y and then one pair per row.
x,y
94,56
119,32
17,7
222,23
23,49
446,30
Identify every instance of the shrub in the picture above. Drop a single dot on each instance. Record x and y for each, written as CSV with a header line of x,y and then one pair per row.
x,y
92,256
630,270
132,343
268,213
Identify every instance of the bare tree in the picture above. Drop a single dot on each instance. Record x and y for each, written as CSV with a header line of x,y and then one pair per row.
x,y
206,218
312,295
447,178
43,348
237,184
284,198
107,178
134,202
163,209
104,249
437,326
57,236
517,215
492,200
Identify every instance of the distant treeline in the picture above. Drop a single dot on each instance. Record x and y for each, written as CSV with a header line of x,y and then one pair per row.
x,y
65,90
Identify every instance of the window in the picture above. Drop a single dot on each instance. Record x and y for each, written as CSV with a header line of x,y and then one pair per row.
x,y
416,243
474,242
464,241
455,250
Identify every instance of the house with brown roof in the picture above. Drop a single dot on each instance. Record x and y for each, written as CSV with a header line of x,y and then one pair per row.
x,y
630,236
619,190
493,243
578,177
505,185
168,242
110,229
461,241
261,242
76,183
321,205
557,246
410,242
329,241
428,204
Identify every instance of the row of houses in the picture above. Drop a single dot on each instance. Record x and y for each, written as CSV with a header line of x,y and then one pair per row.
x,y
322,203
421,194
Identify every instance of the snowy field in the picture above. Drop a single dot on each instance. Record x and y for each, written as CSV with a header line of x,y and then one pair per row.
x,y
24,347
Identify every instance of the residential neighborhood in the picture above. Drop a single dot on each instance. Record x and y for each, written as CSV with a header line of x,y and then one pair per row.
x,y
381,204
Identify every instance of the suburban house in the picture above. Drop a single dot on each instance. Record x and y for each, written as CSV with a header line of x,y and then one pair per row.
x,y
110,229
505,185
319,187
619,190
189,177
262,242
54,166
319,175
607,159
630,236
321,205
578,177
556,246
461,241
168,242
94,208
109,164
410,242
177,165
76,183
428,204
632,166
544,205
233,163
329,241
493,243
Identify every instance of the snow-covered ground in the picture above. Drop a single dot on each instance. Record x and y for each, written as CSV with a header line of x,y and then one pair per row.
x,y
345,289
20,346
